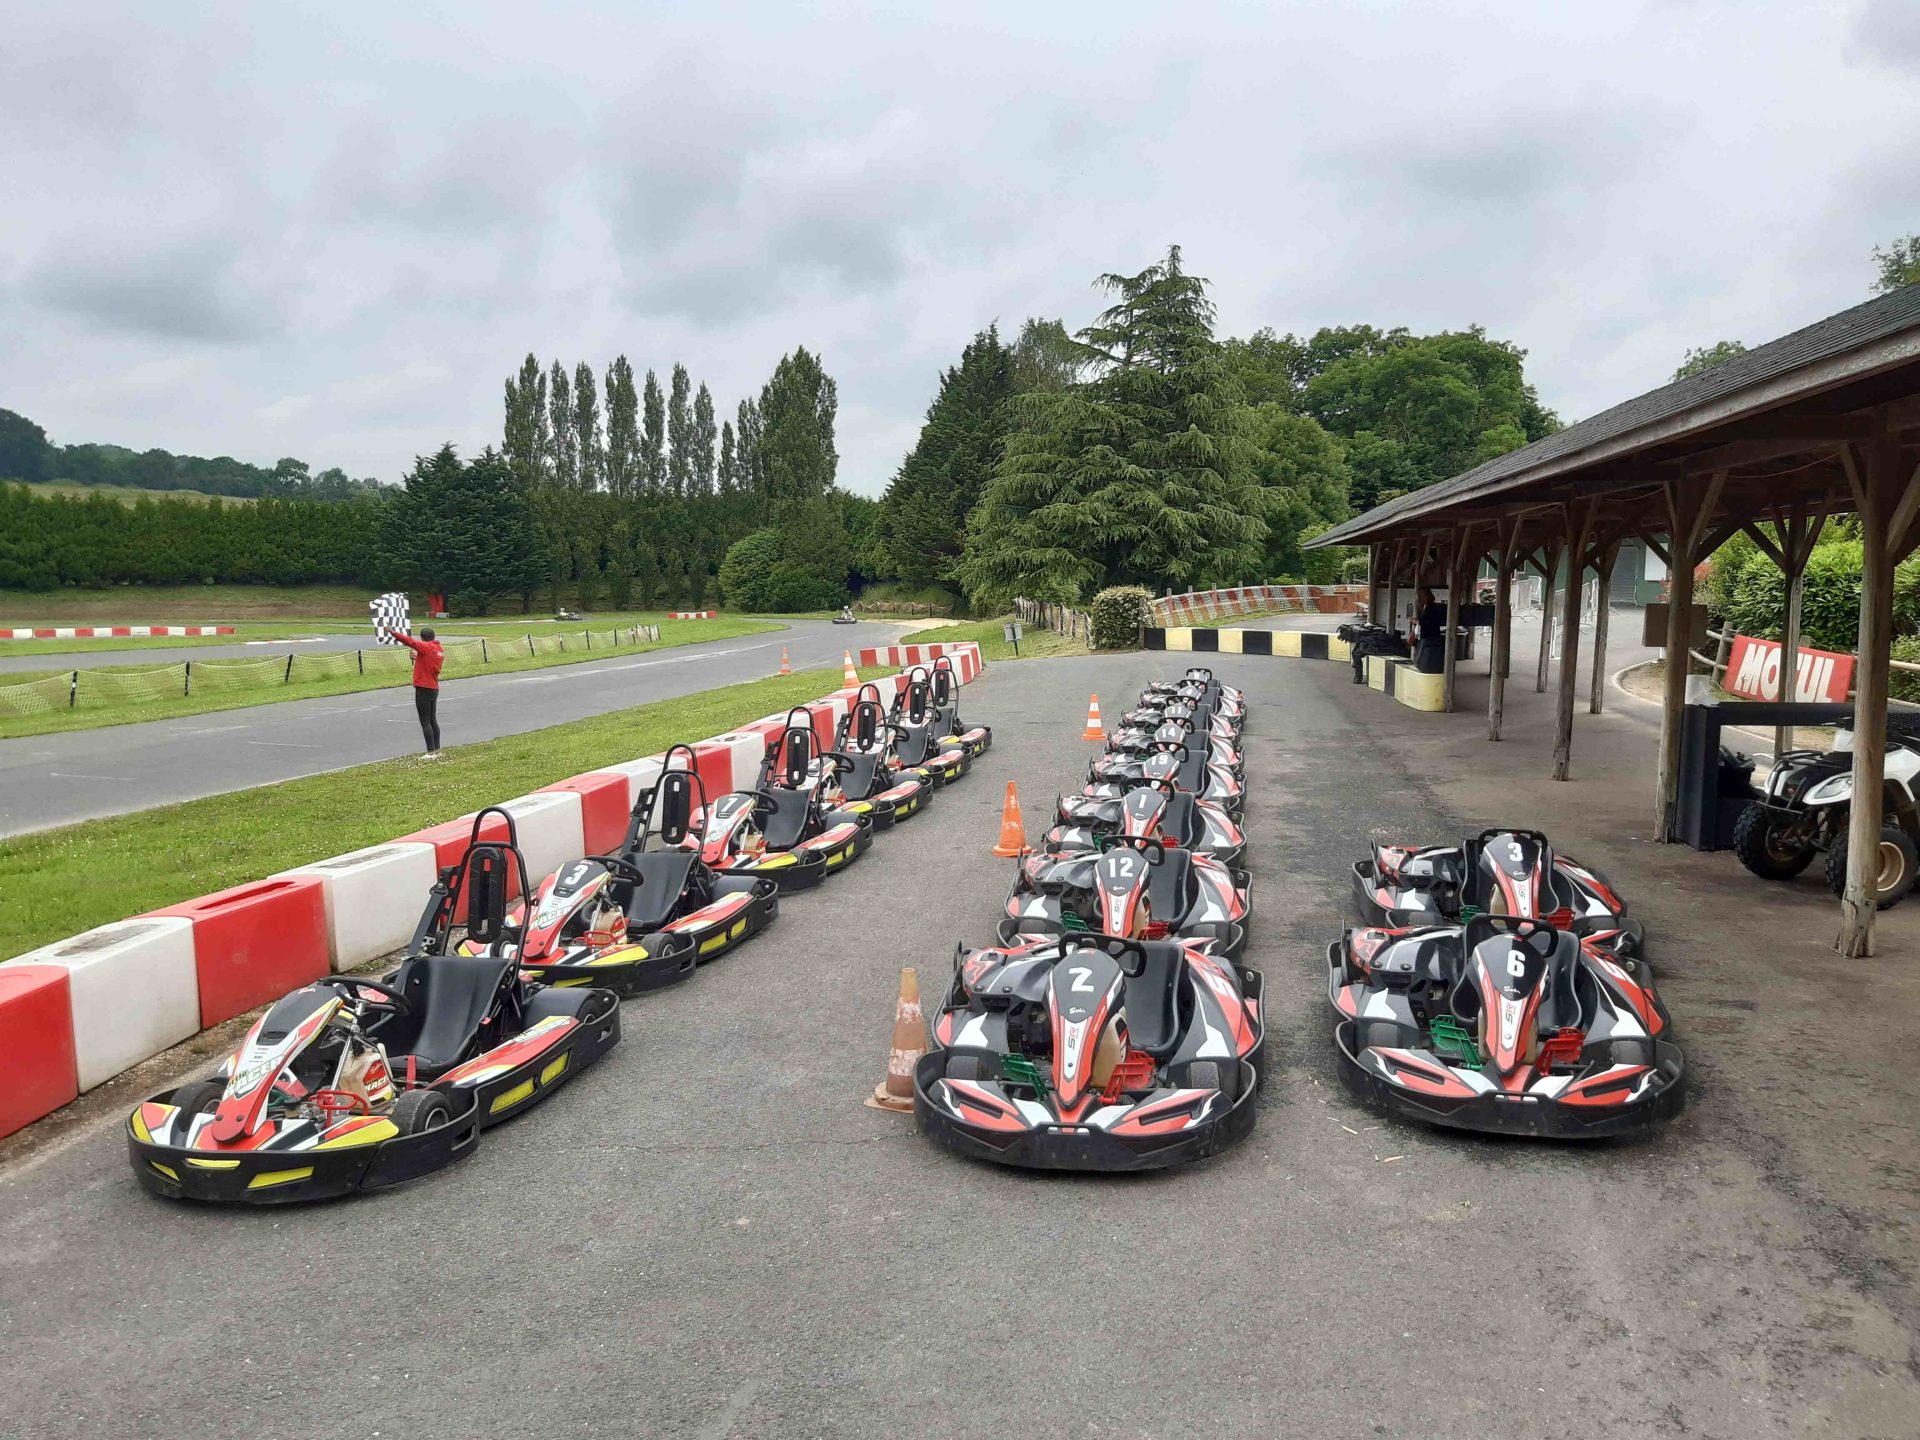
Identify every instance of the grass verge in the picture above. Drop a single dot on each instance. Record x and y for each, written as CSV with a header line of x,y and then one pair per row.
x,y
673,633
60,882
1037,643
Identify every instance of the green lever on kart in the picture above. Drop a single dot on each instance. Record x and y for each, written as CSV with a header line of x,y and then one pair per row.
x,y
1450,1037
1022,1071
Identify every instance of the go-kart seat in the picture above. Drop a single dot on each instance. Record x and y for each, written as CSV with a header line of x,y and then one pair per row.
x,y
450,996
1170,886
1153,999
862,779
663,880
782,814
1560,1008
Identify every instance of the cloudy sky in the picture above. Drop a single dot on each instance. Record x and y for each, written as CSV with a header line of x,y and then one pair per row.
x,y
330,231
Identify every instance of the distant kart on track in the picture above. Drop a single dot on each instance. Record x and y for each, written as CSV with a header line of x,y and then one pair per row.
x,y
354,1084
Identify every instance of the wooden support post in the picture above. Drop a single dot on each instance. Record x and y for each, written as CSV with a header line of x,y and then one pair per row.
x,y
1884,494
1688,507
1579,520
1457,564
1391,619
1548,567
1597,683
1502,644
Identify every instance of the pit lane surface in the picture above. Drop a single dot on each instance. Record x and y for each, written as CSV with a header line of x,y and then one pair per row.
x,y
48,780
709,1236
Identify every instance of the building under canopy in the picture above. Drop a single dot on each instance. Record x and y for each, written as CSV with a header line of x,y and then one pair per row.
x,y
1818,423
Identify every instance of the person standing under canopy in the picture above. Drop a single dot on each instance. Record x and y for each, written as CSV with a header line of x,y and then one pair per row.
x,y
427,660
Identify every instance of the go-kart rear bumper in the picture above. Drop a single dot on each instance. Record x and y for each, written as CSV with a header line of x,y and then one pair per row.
x,y
806,864
666,957
1532,1115
916,793
276,1177
1080,1147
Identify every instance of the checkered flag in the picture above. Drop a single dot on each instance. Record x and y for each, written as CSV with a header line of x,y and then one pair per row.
x,y
389,615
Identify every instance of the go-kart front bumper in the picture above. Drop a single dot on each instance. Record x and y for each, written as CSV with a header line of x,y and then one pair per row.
x,y
665,957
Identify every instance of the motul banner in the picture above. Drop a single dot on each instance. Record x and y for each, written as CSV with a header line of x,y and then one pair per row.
x,y
1753,670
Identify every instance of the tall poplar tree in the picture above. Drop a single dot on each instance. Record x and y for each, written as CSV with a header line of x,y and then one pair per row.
x,y
653,437
565,466
701,440
679,435
623,430
796,453
589,457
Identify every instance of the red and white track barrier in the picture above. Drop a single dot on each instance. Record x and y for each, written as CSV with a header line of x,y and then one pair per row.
x,y
104,632
77,1012
691,614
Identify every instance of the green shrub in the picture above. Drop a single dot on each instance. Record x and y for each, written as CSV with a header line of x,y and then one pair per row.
x,y
1756,602
748,563
1118,613
1904,684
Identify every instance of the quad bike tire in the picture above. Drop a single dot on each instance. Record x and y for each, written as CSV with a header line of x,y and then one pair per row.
x,y
418,1111
1899,866
1754,841
201,1097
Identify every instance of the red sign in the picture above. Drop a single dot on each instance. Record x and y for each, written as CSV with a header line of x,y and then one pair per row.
x,y
1753,670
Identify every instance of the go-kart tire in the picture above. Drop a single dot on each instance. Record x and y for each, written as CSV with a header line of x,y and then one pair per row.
x,y
201,1097
1753,835
1892,890
1204,1075
418,1111
963,1067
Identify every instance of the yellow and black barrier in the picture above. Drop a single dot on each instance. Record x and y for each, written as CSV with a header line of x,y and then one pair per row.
x,y
1411,687
1294,644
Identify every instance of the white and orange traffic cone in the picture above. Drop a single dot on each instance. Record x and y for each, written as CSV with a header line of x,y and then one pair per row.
x,y
1093,730
786,666
1013,835
909,1044
849,675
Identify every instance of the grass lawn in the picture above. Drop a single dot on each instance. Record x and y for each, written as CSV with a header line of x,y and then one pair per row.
x,y
60,882
1037,643
127,494
133,711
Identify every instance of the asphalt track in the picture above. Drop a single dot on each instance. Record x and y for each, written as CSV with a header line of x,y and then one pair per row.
x,y
48,780
709,1236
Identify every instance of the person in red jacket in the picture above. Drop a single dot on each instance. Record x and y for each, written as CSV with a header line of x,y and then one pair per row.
x,y
427,659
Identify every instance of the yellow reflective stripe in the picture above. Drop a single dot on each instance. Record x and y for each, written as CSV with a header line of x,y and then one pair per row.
x,y
547,1075
383,1129
511,1098
278,1177
214,1164
140,1131
166,1170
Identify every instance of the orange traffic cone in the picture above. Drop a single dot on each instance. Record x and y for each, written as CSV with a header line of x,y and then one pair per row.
x,y
786,667
909,1044
1013,837
1093,730
849,676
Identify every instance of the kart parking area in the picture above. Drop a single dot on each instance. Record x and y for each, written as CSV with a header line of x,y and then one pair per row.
x,y
709,1235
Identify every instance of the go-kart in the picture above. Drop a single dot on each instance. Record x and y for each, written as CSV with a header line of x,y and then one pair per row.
x,y
792,827
1154,810
919,741
1505,1025
846,616
1092,1052
1497,872
1175,726
1134,886
944,696
353,1083
1191,770
872,778
643,918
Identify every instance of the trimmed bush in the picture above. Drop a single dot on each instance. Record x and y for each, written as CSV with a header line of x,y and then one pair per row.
x,y
1118,613
1756,597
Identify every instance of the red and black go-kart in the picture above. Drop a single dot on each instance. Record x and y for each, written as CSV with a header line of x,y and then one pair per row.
x,y
1191,769
872,778
1504,1025
920,741
1092,1052
1497,872
1153,810
793,826
944,694
643,918
353,1083
1133,886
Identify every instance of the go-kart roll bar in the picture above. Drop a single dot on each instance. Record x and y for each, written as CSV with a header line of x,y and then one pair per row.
x,y
436,924
644,811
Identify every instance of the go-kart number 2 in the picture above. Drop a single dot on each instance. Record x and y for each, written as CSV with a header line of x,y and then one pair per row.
x,y
1081,978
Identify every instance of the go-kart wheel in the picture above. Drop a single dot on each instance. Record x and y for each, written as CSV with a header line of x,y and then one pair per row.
x,y
963,1067
1761,845
1203,1075
421,1110
1893,876
200,1098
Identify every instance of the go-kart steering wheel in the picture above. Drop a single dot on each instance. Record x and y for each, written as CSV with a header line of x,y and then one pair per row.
x,y
392,1001
621,868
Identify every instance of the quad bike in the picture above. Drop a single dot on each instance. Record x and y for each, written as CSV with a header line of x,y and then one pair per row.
x,y
1504,1025
353,1083
643,918
873,780
1135,887
920,743
943,685
1092,1052
1805,807
1154,810
793,826
1498,872
1192,770
1368,639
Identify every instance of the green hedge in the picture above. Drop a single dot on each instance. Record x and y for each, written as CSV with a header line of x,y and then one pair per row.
x,y
1118,613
